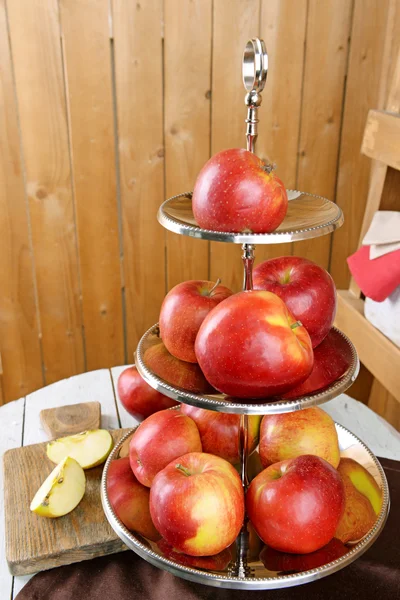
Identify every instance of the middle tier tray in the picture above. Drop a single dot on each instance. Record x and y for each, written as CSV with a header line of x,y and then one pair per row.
x,y
227,404
308,216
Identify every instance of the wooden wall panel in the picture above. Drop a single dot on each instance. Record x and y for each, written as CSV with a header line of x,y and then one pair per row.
x,y
19,336
90,101
36,51
366,72
235,22
141,159
280,120
328,30
187,81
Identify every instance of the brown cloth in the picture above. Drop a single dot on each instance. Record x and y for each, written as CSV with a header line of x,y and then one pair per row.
x,y
375,575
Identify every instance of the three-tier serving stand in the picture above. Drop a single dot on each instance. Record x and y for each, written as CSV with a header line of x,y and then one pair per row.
x,y
308,216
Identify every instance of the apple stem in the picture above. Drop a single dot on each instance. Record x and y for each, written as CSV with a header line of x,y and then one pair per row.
x,y
183,470
297,324
268,167
216,284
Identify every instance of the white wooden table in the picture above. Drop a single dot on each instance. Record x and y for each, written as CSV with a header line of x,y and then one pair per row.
x,y
20,426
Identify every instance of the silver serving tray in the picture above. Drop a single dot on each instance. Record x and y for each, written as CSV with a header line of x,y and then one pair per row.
x,y
249,572
308,216
227,404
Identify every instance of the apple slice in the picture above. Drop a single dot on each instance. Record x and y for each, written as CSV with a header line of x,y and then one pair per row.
x,y
89,448
62,491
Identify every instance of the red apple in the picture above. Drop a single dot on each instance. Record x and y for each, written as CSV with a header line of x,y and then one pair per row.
x,y
307,290
130,499
236,191
218,562
178,373
307,431
197,504
295,505
250,346
219,432
183,311
162,437
138,397
332,358
277,561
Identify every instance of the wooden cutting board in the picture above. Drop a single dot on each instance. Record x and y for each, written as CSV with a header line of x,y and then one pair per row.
x,y
35,543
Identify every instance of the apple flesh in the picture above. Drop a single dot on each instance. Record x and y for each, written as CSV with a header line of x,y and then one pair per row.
x,y
181,374
182,312
130,499
218,562
235,191
61,491
219,432
332,358
138,397
250,346
273,560
308,291
89,448
295,505
307,431
363,501
162,437
197,504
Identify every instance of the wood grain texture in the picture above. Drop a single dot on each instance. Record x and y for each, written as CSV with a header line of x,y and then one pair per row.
x,y
376,351
280,121
35,543
35,44
11,425
88,387
366,72
67,420
328,30
19,335
187,108
90,107
234,23
382,137
138,80
384,404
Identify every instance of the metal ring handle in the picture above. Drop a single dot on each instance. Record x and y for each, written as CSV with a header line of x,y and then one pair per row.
x,y
255,65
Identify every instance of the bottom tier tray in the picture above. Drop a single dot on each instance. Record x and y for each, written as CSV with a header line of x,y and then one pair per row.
x,y
246,570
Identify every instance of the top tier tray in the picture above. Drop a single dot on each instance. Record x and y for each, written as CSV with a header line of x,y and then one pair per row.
x,y
308,216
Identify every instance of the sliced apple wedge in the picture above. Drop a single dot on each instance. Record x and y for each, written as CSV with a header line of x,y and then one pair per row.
x,y
62,491
89,448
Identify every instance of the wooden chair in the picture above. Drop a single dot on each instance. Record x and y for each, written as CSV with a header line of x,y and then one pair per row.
x,y
380,356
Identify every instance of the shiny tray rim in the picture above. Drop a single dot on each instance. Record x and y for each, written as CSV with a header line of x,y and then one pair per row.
x,y
277,237
279,406
249,583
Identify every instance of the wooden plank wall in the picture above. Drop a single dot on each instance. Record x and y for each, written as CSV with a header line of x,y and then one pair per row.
x,y
109,106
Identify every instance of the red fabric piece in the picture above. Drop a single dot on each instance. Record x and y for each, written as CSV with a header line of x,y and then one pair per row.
x,y
376,278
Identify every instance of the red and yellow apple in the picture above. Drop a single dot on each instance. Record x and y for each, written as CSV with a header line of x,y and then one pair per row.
x,y
182,312
138,397
250,346
307,431
130,499
219,432
218,562
178,373
162,437
363,501
332,358
273,560
197,504
236,191
295,505
308,291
